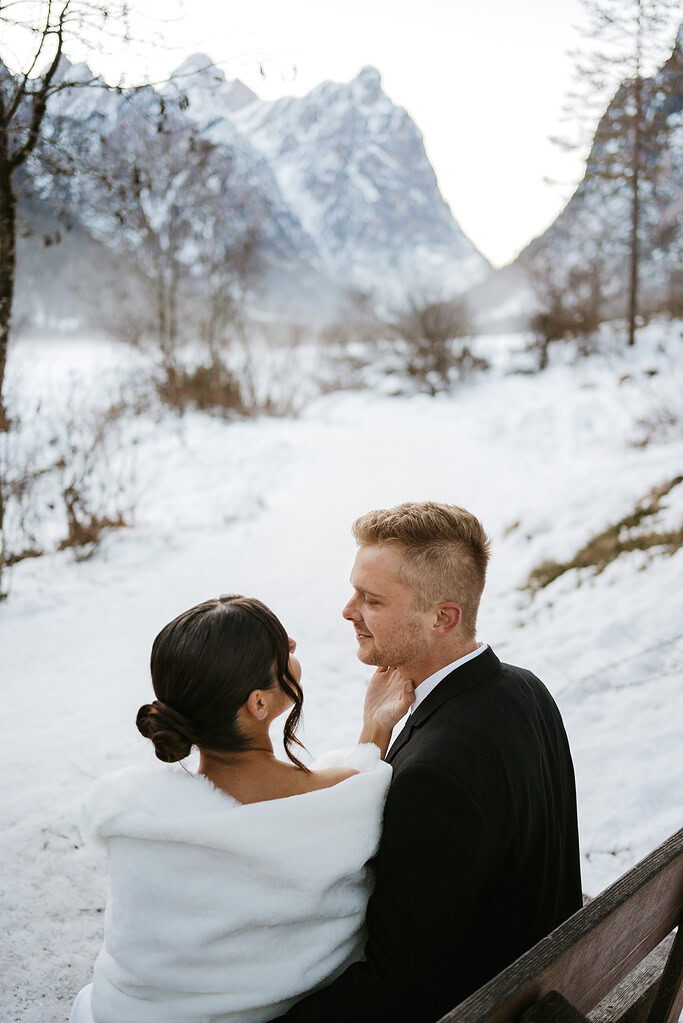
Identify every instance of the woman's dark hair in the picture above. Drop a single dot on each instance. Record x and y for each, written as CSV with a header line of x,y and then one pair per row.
x,y
205,663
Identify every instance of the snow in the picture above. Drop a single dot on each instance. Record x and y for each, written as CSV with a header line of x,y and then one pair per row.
x,y
340,155
264,507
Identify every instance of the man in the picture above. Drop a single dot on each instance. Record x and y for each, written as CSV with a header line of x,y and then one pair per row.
x,y
479,856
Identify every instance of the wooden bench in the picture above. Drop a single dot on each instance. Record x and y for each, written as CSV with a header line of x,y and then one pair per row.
x,y
615,961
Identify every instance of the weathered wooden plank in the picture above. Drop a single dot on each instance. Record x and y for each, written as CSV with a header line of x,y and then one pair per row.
x,y
631,1000
589,954
553,1008
669,1000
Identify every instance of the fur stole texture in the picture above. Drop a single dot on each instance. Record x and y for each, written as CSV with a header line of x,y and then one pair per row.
x,y
220,912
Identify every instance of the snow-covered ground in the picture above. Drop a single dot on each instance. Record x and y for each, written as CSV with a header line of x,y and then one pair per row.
x,y
264,507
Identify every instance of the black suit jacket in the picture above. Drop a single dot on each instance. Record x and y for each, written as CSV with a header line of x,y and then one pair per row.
x,y
479,856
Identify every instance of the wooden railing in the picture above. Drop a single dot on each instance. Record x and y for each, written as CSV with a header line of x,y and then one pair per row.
x,y
615,961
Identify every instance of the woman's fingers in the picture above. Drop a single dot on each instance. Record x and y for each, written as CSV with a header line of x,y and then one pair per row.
x,y
407,697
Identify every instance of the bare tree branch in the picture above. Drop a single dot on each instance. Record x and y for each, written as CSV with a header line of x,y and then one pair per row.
x,y
39,98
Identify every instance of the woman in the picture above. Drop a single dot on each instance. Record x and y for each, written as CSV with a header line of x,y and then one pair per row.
x,y
235,890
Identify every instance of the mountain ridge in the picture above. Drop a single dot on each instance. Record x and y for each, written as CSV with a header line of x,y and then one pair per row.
x,y
335,186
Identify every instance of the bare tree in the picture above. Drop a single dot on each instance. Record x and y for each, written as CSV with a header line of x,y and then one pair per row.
x,y
150,184
40,30
625,41
427,330
570,300
159,193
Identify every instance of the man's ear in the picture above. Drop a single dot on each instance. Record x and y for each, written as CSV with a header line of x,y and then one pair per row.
x,y
448,616
257,704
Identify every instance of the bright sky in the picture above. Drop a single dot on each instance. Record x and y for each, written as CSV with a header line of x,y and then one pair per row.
x,y
485,81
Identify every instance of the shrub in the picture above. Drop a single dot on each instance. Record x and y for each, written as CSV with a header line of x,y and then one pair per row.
x,y
204,386
426,338
65,479
570,303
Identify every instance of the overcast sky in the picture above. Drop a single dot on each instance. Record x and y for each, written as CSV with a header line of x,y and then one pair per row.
x,y
485,81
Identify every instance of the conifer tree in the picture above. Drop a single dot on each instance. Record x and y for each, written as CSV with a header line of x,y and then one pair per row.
x,y
626,41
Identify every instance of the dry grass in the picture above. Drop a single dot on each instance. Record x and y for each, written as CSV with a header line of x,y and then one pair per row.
x,y
85,527
68,467
206,387
628,534
22,555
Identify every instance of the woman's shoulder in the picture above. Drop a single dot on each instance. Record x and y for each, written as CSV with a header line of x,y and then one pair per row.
x,y
359,759
330,776
361,764
148,800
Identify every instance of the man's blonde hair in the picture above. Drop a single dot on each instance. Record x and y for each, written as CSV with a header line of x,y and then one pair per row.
x,y
445,552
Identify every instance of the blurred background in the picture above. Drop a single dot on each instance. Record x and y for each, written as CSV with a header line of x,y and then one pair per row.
x,y
265,267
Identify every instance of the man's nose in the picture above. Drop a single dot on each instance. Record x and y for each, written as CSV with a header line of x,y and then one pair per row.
x,y
350,612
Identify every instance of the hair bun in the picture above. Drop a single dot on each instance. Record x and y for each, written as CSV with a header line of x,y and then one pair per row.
x,y
171,732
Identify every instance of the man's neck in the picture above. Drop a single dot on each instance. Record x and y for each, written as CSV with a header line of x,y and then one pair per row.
x,y
423,669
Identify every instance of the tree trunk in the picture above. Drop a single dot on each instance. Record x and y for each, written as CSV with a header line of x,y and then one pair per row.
x,y
635,217
2,539
635,206
8,230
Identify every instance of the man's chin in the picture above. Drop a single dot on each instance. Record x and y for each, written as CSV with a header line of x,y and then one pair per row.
x,y
369,656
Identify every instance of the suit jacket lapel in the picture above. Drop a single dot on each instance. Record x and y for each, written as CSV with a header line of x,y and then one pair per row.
x,y
401,739
459,681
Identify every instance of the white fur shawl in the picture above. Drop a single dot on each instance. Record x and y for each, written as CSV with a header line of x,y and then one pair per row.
x,y
226,913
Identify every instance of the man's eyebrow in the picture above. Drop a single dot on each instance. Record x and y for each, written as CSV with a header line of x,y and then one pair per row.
x,y
359,589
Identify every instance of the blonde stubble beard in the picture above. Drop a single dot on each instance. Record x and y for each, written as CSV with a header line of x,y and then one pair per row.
x,y
411,647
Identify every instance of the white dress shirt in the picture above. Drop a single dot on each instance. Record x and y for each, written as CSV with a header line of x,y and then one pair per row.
x,y
429,685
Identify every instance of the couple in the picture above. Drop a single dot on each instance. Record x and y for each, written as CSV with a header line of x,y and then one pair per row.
x,y
241,893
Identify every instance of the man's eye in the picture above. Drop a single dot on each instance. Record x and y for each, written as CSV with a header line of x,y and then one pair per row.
x,y
371,603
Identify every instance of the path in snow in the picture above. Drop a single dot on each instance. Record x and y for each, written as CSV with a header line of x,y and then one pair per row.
x,y
264,508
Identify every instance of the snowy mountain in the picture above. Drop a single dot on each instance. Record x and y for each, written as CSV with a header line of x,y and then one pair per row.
x,y
333,190
597,219
595,226
592,233
354,167
123,139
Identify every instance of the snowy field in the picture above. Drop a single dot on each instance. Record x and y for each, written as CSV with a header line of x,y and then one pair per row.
x,y
263,507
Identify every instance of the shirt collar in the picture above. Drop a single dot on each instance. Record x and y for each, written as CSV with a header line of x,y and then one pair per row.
x,y
429,685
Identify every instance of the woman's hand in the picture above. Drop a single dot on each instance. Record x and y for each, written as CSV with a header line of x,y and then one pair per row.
x,y
388,699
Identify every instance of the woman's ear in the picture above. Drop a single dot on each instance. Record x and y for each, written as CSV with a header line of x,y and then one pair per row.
x,y
257,704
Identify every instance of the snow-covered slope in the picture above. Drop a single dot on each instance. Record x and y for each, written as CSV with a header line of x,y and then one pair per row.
x,y
264,507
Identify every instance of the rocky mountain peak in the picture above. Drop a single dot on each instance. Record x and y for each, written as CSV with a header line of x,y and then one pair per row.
x,y
77,73
367,85
211,96
201,69
352,166
240,95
